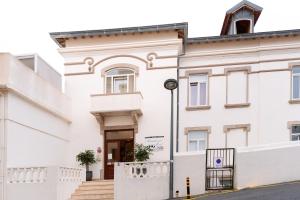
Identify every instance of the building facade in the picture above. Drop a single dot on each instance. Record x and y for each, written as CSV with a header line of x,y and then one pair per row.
x,y
236,90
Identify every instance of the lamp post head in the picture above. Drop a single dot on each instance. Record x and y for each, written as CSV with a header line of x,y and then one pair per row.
x,y
171,84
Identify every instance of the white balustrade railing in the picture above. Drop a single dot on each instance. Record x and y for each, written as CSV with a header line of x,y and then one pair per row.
x,y
49,183
147,169
71,174
27,175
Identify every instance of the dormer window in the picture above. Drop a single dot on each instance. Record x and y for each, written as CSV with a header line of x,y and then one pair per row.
x,y
241,18
243,26
119,80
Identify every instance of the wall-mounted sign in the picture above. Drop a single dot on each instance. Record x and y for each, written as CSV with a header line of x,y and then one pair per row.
x,y
155,142
218,162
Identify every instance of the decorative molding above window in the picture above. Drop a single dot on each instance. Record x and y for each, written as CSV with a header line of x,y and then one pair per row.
x,y
134,68
246,69
292,123
245,127
199,71
198,128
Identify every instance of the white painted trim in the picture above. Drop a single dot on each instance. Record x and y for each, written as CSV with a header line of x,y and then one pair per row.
x,y
242,19
158,43
242,50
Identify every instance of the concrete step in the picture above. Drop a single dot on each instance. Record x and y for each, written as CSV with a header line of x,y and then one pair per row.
x,y
106,182
79,192
94,190
96,187
92,197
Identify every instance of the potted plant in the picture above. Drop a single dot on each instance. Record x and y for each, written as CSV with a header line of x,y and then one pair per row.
x,y
142,152
86,159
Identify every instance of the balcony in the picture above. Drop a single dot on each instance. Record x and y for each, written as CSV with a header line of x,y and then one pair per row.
x,y
28,84
116,104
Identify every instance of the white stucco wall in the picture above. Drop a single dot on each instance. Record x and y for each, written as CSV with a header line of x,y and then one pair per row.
x,y
36,117
155,102
190,165
269,61
34,137
254,166
265,166
148,188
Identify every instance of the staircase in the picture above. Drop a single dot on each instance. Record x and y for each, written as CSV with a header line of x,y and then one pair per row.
x,y
95,190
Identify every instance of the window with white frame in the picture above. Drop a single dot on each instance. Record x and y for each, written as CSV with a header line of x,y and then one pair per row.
x,y
197,140
198,90
295,132
119,80
296,82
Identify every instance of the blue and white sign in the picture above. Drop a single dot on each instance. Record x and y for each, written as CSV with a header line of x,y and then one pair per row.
x,y
218,162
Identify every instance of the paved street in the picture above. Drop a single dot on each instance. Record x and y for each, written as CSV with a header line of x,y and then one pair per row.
x,y
288,191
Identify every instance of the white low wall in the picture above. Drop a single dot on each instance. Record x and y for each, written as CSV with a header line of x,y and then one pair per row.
x,y
254,166
267,165
152,184
47,183
190,165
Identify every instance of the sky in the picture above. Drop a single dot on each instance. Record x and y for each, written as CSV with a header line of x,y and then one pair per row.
x,y
25,24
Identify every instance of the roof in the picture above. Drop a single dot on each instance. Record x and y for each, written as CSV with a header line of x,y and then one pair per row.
x,y
248,36
255,8
60,37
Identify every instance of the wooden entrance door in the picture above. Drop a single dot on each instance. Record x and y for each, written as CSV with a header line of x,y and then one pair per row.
x,y
119,147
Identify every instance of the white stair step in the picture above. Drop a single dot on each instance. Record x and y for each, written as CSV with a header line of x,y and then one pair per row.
x,y
96,187
92,197
98,183
94,192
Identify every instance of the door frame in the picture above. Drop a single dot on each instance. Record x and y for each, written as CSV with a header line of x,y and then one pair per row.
x,y
114,140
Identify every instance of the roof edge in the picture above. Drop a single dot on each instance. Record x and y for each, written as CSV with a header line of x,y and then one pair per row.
x,y
259,35
60,37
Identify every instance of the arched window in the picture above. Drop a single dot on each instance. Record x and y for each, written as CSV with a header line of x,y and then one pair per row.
x,y
119,80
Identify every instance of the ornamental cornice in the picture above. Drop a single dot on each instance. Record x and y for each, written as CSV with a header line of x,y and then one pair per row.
x,y
159,43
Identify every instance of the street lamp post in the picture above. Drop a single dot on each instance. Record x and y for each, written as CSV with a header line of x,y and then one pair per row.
x,y
171,84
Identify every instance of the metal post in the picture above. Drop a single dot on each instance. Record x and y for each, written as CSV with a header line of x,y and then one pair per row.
x,y
177,193
188,191
171,151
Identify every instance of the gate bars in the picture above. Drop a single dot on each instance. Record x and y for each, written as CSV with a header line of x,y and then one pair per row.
x,y
219,169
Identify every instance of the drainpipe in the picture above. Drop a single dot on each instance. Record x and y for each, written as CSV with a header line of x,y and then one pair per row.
x,y
177,114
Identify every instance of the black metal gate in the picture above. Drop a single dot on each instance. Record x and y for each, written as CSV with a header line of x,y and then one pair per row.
x,y
219,169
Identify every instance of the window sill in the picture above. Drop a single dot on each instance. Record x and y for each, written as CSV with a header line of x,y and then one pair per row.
x,y
193,108
237,105
294,101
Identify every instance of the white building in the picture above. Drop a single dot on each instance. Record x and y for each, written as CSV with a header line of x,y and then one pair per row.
x,y
235,90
